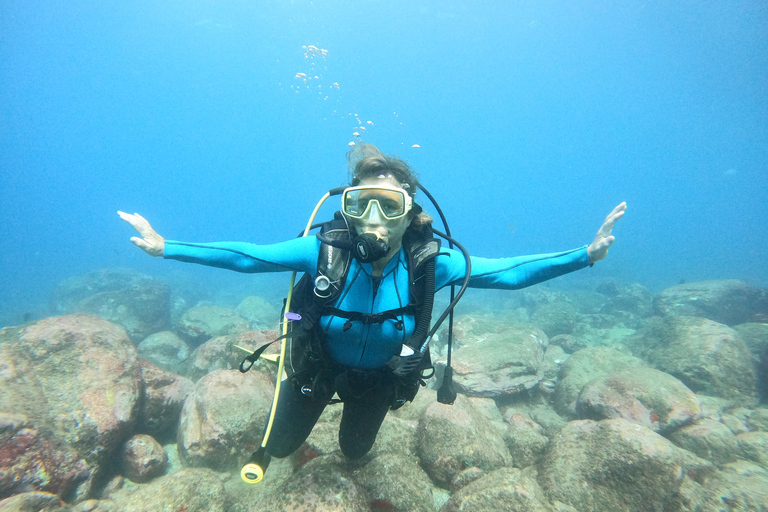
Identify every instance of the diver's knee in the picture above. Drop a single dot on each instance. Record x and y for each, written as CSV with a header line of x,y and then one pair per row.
x,y
280,452
356,450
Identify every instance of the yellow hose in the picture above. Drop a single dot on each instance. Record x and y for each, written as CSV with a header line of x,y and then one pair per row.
x,y
252,473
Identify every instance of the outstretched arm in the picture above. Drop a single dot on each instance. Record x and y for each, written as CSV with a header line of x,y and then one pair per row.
x,y
522,271
598,249
150,242
298,254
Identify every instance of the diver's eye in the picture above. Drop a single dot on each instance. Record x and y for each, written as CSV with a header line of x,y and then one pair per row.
x,y
390,208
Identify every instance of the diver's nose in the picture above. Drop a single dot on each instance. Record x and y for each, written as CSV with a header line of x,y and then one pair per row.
x,y
376,216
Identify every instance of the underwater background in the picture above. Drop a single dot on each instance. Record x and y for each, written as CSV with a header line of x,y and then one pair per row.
x,y
533,120
639,384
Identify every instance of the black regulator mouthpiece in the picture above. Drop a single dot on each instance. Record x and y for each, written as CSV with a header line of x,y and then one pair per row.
x,y
366,248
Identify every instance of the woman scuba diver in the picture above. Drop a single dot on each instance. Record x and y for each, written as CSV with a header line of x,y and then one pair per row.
x,y
364,316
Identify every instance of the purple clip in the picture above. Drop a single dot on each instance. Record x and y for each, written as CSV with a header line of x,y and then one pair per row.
x,y
292,316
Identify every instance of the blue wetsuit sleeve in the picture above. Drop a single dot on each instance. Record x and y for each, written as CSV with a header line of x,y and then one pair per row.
x,y
299,254
508,273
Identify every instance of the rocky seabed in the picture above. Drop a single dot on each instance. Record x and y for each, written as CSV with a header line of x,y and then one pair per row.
x,y
604,400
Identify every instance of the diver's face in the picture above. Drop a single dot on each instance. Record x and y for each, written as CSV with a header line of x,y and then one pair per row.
x,y
375,221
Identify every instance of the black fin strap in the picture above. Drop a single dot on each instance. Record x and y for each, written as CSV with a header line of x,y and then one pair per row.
x,y
254,356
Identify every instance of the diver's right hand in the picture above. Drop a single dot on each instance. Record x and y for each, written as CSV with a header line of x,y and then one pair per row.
x,y
150,242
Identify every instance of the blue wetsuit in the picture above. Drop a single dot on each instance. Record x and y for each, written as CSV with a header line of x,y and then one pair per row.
x,y
372,346
366,387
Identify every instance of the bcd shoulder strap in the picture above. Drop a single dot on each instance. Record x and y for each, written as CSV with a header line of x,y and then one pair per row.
x,y
333,263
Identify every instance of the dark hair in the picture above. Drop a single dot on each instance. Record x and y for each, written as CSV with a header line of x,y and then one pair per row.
x,y
367,161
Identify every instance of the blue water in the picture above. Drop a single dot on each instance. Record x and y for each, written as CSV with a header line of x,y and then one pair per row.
x,y
534,120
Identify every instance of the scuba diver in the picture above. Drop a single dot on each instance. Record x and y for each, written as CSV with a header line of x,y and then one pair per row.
x,y
361,313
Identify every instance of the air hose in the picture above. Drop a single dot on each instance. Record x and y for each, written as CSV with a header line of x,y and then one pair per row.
x,y
446,393
253,471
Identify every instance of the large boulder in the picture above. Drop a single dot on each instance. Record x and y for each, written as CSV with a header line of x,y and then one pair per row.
x,y
755,336
324,483
222,422
396,480
537,296
645,396
727,301
546,417
201,323
259,312
454,438
554,356
138,302
588,334
629,301
758,420
33,502
525,439
753,446
738,486
708,357
555,318
469,330
163,396
500,364
587,302
221,353
708,439
188,490
71,387
735,420
396,435
31,459
583,366
617,465
761,376
166,350
246,498
502,489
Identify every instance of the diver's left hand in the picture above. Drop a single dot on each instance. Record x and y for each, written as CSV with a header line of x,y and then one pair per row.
x,y
403,366
598,249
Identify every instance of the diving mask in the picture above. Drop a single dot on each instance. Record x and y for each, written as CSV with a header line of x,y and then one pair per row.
x,y
392,202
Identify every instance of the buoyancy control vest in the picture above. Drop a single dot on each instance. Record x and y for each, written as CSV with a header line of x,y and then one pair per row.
x,y
314,296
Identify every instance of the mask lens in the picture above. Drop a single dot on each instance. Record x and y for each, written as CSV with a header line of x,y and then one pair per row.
x,y
357,201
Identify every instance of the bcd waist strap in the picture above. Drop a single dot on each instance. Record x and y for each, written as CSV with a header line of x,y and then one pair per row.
x,y
372,318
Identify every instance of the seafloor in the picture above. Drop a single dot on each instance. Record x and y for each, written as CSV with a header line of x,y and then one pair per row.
x,y
602,399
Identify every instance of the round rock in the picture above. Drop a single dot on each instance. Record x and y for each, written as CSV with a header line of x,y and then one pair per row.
x,y
143,459
164,349
201,323
708,357
645,396
725,301
617,465
582,367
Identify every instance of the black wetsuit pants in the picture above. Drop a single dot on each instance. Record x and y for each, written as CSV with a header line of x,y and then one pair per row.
x,y
367,396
